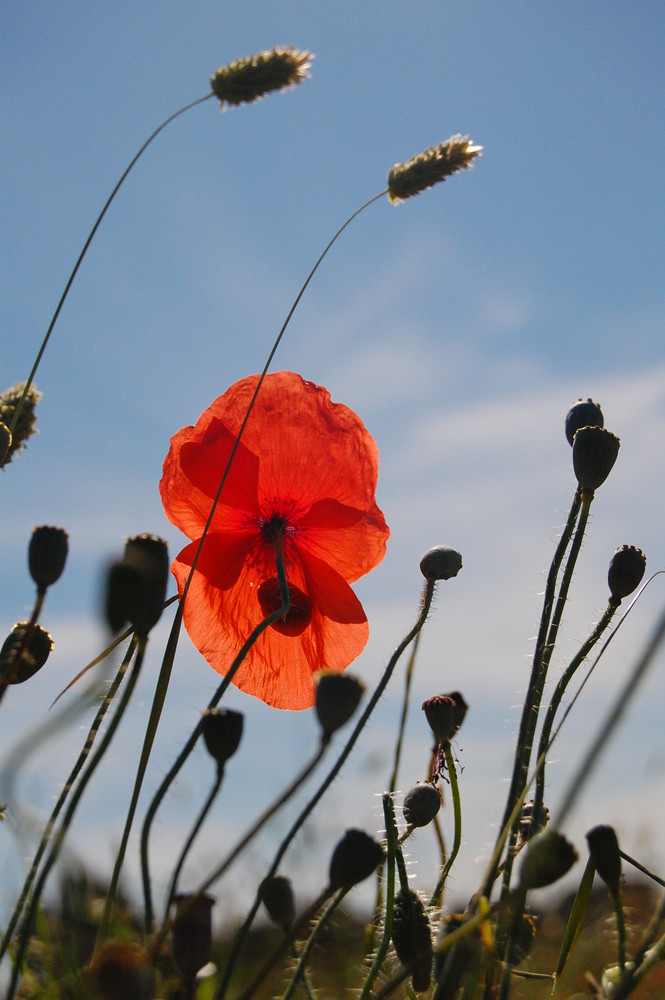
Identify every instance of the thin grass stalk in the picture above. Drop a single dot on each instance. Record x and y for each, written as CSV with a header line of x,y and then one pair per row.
x,y
48,829
425,605
56,843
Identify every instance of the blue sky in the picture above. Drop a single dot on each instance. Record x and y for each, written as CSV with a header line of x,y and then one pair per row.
x,y
460,326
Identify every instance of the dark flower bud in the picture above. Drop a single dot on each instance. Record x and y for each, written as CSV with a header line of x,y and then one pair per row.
x,y
595,451
440,563
627,567
337,698
277,897
530,824
445,714
34,655
606,856
191,938
136,587
547,858
246,80
412,938
222,731
430,167
27,418
47,554
5,442
583,413
354,859
421,804
122,971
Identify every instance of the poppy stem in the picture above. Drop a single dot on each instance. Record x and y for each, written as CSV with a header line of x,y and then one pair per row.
x,y
435,899
87,243
425,605
392,849
189,745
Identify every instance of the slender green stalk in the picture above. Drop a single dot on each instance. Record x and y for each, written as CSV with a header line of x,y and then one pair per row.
x,y
307,950
425,605
435,898
641,868
391,850
48,829
649,951
191,742
198,823
87,243
56,843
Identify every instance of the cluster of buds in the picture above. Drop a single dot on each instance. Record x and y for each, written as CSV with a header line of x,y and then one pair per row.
x,y
136,586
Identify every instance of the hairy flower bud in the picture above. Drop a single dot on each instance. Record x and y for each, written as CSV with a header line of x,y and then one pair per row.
x,y
547,858
245,80
421,804
583,413
222,732
34,655
191,938
47,554
440,563
595,451
430,167
354,859
277,897
606,856
412,938
337,698
445,714
627,567
27,418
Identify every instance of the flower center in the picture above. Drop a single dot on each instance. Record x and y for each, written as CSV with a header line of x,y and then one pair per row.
x,y
274,530
299,615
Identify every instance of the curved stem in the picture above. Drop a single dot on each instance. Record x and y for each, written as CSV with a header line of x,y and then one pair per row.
x,y
391,850
426,603
189,745
87,243
457,836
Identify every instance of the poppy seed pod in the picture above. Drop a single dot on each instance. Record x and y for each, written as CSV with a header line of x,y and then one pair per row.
x,y
222,732
5,442
421,804
547,858
627,567
245,80
595,451
431,167
33,657
412,938
440,563
277,897
606,856
47,555
583,413
445,714
337,698
136,587
354,859
191,938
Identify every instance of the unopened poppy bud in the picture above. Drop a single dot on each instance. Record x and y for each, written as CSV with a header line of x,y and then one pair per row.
x,y
627,567
412,938
47,555
354,859
583,413
430,167
27,419
222,732
136,587
606,856
440,563
122,971
33,657
337,698
277,897
246,80
5,442
421,804
191,938
445,714
547,858
595,451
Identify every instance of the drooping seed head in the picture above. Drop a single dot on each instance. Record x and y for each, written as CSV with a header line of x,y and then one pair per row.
x,y
440,563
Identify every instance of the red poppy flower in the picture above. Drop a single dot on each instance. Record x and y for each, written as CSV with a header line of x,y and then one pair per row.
x,y
303,479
